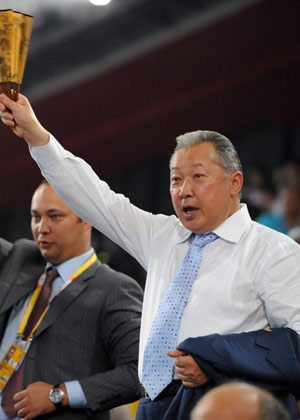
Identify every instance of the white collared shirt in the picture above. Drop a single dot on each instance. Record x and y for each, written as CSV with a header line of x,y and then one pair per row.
x,y
249,277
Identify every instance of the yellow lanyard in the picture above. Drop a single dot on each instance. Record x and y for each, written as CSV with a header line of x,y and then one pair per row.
x,y
38,289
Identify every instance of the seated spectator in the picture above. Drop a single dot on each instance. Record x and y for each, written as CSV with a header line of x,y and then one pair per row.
x,y
287,174
258,192
236,401
289,216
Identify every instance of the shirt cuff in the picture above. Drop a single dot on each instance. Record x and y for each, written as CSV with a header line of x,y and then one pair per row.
x,y
76,395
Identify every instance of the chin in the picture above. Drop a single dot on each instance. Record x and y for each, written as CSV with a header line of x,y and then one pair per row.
x,y
48,257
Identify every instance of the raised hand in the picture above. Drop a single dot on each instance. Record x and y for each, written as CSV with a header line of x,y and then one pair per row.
x,y
19,116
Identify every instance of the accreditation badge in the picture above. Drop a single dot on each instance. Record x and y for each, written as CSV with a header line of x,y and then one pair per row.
x,y
11,361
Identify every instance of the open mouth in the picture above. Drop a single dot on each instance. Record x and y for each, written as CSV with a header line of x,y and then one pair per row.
x,y
189,210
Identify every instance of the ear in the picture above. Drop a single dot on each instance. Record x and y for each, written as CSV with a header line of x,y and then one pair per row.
x,y
236,182
87,226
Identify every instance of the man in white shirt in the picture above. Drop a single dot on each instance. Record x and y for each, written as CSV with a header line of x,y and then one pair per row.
x,y
249,276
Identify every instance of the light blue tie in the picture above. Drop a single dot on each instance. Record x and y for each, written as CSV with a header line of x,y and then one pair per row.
x,y
157,365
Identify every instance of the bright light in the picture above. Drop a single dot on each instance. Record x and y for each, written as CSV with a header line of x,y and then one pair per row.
x,y
100,2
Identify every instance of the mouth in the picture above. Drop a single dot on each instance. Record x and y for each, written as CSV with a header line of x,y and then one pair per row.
x,y
44,244
189,211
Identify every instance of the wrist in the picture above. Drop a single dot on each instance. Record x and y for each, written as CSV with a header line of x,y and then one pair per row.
x,y
58,396
66,397
37,137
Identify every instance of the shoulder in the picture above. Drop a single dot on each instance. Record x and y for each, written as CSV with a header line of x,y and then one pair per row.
x,y
19,246
270,243
5,249
115,282
26,247
24,251
269,233
114,277
273,221
23,256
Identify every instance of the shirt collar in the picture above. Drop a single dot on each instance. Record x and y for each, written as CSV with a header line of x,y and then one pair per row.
x,y
67,268
230,230
233,228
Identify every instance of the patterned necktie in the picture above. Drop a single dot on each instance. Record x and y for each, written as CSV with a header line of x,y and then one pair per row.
x,y
15,383
157,365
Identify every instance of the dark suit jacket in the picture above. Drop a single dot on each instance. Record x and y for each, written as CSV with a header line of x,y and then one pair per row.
x,y
90,332
268,359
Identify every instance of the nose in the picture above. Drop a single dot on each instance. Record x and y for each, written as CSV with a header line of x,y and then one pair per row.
x,y
186,189
43,225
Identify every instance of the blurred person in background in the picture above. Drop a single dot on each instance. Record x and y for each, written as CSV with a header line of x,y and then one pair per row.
x,y
257,191
289,216
239,401
287,174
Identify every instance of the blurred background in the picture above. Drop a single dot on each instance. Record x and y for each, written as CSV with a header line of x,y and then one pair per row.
x,y
116,84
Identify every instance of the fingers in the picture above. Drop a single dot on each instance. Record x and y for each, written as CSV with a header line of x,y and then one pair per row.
x,y
8,103
184,361
176,353
189,372
23,412
188,379
7,118
21,406
189,384
19,396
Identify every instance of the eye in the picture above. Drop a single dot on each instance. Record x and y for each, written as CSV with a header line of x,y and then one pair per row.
x,y
55,216
35,217
175,179
197,175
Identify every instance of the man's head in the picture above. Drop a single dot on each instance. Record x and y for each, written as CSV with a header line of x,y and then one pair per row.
x,y
205,180
58,232
238,400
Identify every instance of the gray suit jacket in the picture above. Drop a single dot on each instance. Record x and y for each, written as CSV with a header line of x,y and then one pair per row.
x,y
90,332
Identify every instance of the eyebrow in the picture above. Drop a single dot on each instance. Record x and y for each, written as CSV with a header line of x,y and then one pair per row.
x,y
195,165
48,211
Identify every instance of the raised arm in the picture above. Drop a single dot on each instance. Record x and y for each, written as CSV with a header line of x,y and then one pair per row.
x,y
19,116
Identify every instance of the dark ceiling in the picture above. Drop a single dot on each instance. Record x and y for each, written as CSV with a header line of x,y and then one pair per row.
x,y
119,92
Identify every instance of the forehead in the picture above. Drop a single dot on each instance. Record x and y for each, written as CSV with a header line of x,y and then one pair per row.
x,y
45,198
202,154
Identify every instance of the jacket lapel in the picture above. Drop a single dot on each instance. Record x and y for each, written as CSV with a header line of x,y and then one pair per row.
x,y
66,297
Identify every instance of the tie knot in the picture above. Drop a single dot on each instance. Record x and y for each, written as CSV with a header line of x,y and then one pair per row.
x,y
52,273
203,239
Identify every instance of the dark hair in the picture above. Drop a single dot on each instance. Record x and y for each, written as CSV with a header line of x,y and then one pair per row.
x,y
228,157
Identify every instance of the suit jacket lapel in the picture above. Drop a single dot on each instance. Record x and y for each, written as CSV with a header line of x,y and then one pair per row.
x,y
66,297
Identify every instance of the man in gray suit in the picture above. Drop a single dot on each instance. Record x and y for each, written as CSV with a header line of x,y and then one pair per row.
x,y
86,345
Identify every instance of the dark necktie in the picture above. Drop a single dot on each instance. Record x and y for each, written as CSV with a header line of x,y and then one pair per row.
x,y
157,365
15,383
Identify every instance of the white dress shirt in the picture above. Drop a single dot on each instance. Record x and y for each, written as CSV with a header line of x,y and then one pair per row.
x,y
249,277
